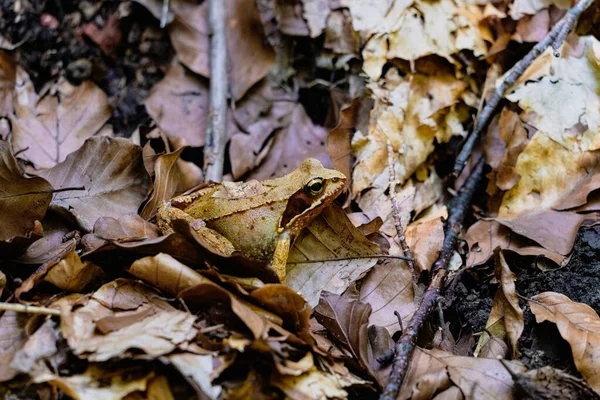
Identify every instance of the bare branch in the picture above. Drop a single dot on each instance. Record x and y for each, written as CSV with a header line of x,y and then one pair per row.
x,y
216,131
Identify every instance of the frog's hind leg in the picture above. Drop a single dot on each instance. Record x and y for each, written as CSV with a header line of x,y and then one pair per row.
x,y
279,261
167,213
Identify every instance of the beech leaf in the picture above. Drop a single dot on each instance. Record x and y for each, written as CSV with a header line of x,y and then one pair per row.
x,y
112,174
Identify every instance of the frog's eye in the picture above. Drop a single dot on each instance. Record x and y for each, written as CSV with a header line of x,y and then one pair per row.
x,y
314,187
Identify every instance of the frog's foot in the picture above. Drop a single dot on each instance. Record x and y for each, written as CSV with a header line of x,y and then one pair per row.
x,y
166,214
279,260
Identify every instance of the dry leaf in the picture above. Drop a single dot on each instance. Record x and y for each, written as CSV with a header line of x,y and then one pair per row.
x,y
58,125
425,238
22,200
199,369
329,236
12,338
387,288
99,383
40,346
484,236
314,385
129,315
251,57
340,37
519,8
579,325
506,317
481,378
179,105
56,239
112,174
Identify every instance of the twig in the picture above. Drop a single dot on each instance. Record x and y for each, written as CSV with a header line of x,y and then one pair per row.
x,y
216,134
396,215
23,308
405,346
164,15
555,38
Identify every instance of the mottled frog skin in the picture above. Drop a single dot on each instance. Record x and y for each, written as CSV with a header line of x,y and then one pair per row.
x,y
260,219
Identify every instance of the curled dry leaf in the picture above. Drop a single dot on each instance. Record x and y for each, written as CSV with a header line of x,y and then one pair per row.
x,y
484,236
579,325
124,315
100,383
58,125
56,239
482,378
22,200
520,8
250,57
39,348
506,317
112,174
66,271
329,236
313,385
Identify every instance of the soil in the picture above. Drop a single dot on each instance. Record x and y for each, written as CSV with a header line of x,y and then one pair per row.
x,y
55,38
540,344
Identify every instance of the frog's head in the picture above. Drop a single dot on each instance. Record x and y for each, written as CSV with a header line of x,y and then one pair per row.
x,y
319,187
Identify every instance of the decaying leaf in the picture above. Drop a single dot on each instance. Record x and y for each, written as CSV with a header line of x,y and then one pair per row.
x,y
58,125
8,77
506,317
329,236
22,200
12,338
113,178
314,385
579,325
39,347
124,315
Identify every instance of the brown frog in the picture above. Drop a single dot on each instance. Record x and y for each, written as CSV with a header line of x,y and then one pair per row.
x,y
260,219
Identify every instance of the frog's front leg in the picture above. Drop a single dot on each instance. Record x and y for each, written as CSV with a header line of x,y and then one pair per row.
x,y
210,238
280,256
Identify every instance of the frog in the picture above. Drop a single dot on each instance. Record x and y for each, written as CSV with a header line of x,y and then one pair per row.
x,y
261,219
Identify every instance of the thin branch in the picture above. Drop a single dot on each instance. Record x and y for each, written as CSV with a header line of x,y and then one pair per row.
x,y
396,215
216,131
23,308
555,38
405,346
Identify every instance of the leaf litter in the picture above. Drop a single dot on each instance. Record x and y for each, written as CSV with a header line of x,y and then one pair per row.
x,y
115,309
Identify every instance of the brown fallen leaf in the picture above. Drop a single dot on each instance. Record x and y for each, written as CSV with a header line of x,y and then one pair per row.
x,y
329,236
168,175
338,139
108,37
346,321
22,200
179,105
112,174
12,338
313,385
159,389
340,37
298,139
124,315
99,382
579,325
482,378
485,235
41,346
66,271
387,288
505,321
56,238
251,57
56,126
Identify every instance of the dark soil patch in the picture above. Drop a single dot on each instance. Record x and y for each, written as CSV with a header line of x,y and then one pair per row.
x,y
540,344
52,42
